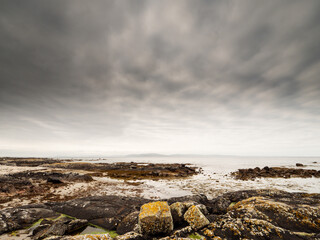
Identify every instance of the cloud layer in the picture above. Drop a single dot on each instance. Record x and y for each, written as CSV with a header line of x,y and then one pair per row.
x,y
207,77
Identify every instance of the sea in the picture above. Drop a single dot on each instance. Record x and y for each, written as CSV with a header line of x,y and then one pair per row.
x,y
215,177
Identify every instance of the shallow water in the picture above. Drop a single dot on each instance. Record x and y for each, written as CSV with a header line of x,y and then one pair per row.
x,y
215,178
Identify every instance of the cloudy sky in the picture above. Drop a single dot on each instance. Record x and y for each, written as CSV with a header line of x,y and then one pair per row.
x,y
188,77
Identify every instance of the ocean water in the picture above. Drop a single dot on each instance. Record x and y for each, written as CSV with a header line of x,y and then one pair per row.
x,y
216,179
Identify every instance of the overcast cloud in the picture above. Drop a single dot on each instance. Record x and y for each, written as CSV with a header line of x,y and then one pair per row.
x,y
115,77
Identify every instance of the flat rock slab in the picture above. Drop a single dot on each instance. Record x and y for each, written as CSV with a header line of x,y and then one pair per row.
x,y
155,218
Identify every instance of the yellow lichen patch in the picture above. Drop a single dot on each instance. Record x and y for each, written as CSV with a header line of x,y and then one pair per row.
x,y
92,237
155,217
154,208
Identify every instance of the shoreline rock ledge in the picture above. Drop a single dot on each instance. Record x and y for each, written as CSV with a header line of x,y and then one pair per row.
x,y
252,214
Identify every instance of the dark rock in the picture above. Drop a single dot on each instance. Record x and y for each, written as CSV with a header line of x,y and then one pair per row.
x,y
12,219
104,211
110,223
178,209
218,205
299,165
76,225
54,180
125,170
274,172
129,223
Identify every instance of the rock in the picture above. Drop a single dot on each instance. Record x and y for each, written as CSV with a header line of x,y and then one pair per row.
x,y
12,219
299,165
202,208
129,223
196,218
133,170
263,218
275,172
218,205
56,229
76,225
82,237
54,180
155,218
110,223
59,227
183,232
194,199
177,211
104,211
130,236
289,216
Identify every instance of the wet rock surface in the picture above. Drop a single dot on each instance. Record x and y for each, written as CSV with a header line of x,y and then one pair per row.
x,y
254,214
275,172
28,162
30,184
131,170
37,180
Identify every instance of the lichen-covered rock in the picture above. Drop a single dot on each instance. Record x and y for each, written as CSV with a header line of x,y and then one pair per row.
x,y
155,218
300,218
82,237
183,232
178,209
262,218
130,236
230,228
196,218
202,208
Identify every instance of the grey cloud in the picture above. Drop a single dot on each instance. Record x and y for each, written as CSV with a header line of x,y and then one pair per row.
x,y
95,70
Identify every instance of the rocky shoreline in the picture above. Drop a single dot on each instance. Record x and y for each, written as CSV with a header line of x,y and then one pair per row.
x,y
62,199
275,172
259,214
41,180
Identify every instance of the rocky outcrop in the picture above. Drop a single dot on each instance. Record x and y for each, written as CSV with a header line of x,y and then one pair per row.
x,y
104,211
17,218
30,184
155,218
274,172
28,162
195,218
253,214
261,218
58,227
131,170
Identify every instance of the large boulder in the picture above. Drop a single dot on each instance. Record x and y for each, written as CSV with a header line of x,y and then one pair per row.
x,y
196,218
265,218
155,218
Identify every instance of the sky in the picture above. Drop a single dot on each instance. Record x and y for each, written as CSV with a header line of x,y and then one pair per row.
x,y
120,77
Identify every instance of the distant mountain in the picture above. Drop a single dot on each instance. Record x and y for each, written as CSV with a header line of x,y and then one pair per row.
x,y
147,155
